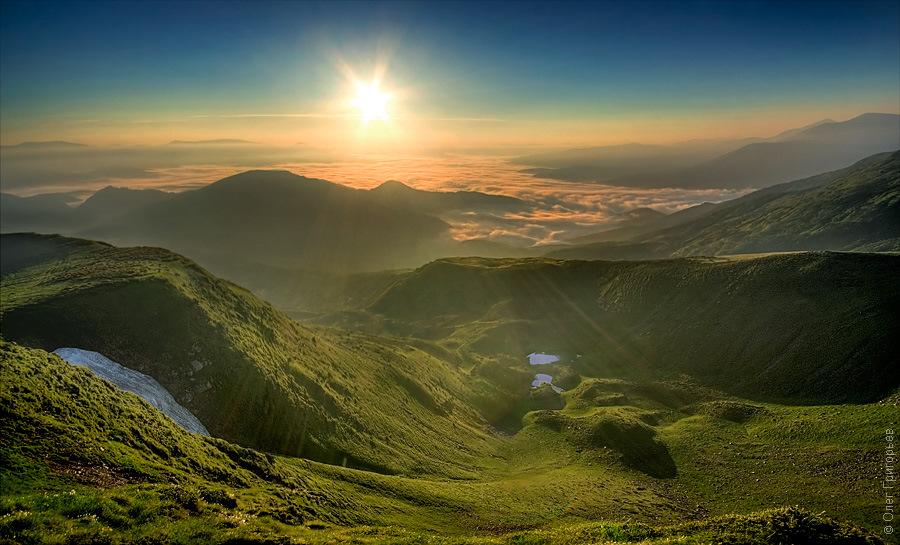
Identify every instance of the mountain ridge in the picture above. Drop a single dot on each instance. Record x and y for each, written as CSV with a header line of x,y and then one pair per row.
x,y
399,195
215,346
280,218
615,313
853,207
794,154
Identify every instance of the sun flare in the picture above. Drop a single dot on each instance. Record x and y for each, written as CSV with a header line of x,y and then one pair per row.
x,y
371,102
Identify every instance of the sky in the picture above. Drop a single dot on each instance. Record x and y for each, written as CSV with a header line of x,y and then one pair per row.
x,y
460,74
471,86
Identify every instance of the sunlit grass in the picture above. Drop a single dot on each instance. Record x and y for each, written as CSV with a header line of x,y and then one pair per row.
x,y
83,462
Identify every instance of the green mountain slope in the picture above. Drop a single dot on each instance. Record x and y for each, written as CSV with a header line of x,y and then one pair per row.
x,y
855,208
80,457
249,373
858,210
83,462
632,451
803,327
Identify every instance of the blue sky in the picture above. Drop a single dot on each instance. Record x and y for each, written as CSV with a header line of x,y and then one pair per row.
x,y
138,72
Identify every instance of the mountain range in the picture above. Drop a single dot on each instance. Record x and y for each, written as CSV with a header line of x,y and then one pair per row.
x,y
855,208
851,209
272,218
794,154
279,221
276,220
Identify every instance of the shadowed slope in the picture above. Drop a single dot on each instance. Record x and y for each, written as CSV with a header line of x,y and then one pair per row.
x,y
793,326
249,373
49,212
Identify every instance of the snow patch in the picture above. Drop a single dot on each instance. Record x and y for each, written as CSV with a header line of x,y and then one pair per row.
x,y
135,382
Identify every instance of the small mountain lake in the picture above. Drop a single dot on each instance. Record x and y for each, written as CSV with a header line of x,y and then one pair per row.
x,y
542,359
541,378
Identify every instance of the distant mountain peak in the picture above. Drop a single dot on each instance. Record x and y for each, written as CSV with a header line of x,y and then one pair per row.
x,y
640,213
794,132
112,189
115,190
265,175
49,144
393,185
218,142
874,116
270,183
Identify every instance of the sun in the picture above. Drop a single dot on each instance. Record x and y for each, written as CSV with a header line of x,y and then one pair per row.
x,y
371,102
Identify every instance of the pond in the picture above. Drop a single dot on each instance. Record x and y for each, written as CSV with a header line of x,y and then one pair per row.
x,y
540,378
542,358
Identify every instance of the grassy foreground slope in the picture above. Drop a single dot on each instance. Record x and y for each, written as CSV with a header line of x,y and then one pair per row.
x,y
804,327
249,373
85,463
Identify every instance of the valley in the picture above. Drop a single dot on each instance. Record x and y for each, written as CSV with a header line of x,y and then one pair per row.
x,y
421,411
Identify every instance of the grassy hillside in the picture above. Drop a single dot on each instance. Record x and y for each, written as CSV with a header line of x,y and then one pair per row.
x,y
803,327
858,209
86,463
249,373
446,439
855,208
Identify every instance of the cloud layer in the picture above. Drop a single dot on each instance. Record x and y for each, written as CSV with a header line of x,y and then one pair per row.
x,y
557,210
561,210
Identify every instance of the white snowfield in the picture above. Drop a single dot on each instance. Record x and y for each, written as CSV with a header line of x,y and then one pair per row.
x,y
133,381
